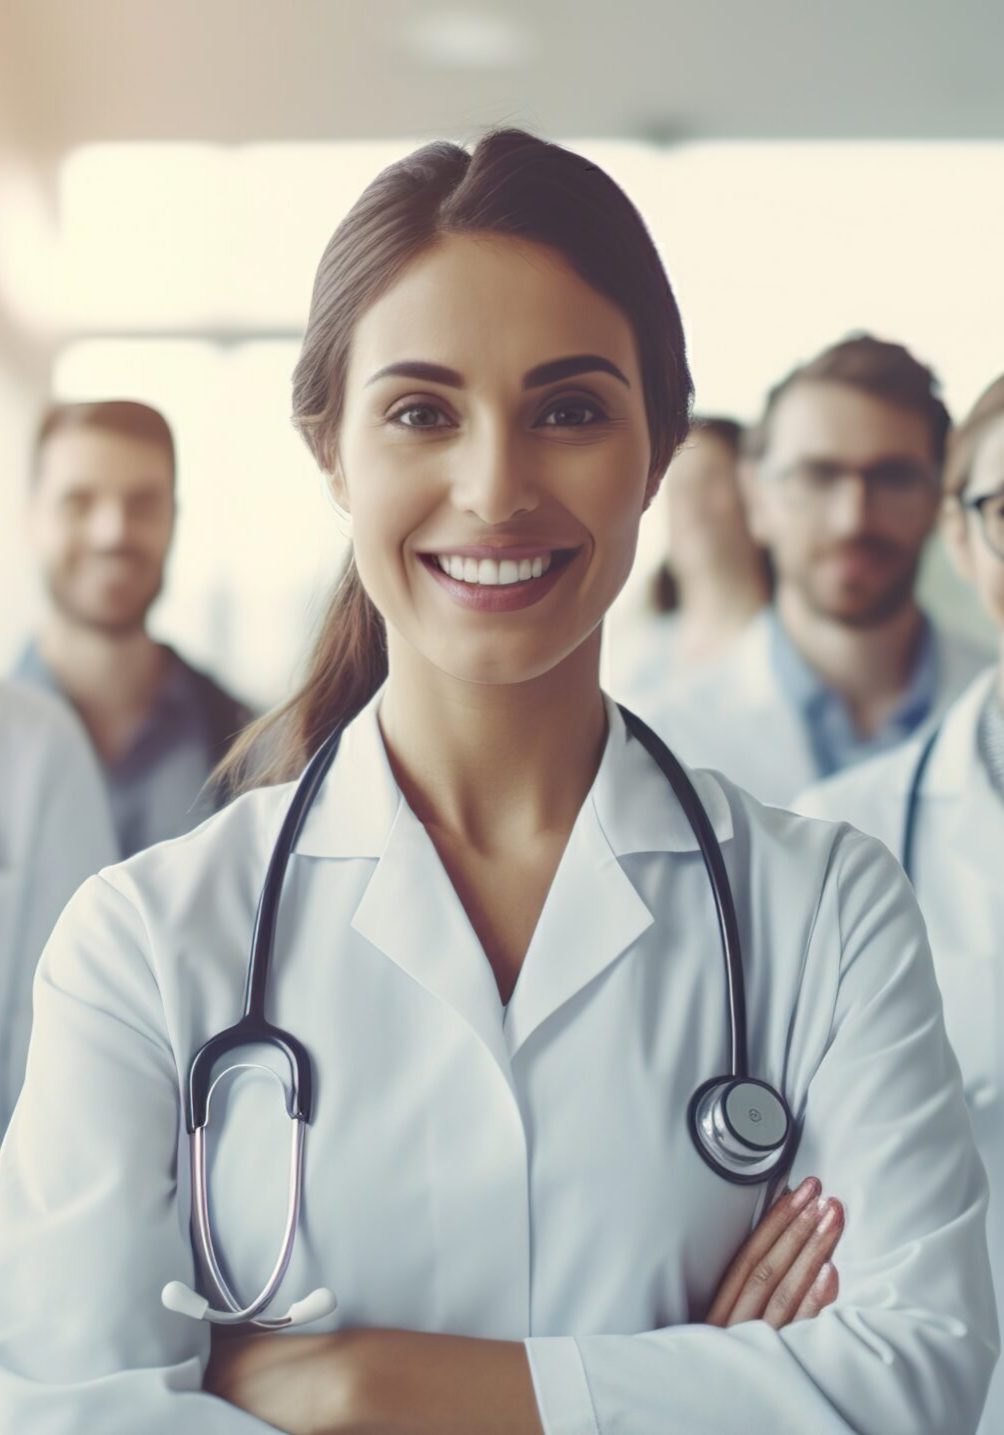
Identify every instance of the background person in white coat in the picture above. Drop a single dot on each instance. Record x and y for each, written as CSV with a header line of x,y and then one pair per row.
x,y
957,848
55,830
843,489
498,943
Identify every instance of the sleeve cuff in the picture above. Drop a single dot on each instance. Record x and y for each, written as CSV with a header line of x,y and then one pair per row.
x,y
559,1383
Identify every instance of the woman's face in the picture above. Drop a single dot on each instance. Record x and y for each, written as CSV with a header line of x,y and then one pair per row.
x,y
494,456
974,555
704,508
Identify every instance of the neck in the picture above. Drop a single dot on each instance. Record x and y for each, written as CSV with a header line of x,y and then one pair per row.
x,y
111,678
715,607
495,764
868,667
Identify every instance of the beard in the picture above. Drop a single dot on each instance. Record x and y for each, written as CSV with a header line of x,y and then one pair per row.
x,y
861,603
115,610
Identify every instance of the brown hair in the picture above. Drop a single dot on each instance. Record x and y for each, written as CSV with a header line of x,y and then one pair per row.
x,y
876,367
512,184
125,417
965,440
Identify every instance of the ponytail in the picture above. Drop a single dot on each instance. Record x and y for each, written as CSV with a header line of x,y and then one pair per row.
x,y
346,667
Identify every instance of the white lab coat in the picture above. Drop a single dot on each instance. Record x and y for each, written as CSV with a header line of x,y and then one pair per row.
x,y
734,715
525,1174
55,830
958,869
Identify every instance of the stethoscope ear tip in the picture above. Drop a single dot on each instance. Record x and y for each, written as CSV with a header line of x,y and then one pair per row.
x,y
315,1306
183,1300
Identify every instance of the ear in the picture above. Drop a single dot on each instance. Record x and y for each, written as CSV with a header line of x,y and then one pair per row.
x,y
751,489
955,530
651,489
335,488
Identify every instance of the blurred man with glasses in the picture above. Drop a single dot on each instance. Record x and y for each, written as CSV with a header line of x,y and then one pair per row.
x,y
843,485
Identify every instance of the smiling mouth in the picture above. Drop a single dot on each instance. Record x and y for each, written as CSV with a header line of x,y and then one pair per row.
x,y
498,572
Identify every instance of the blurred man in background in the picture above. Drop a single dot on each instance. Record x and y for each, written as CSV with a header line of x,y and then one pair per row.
x,y
843,488
101,519
711,578
55,830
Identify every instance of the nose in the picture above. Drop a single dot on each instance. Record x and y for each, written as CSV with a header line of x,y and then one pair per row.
x,y
109,524
494,478
850,502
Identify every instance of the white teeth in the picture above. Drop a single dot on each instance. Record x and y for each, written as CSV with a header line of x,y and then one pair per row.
x,y
490,571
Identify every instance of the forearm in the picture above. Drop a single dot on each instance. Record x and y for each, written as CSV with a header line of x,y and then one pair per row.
x,y
404,1383
378,1382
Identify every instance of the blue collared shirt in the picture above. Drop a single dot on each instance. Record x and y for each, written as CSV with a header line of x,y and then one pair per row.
x,y
156,788
835,741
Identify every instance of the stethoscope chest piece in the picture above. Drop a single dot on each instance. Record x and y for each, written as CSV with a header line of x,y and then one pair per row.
x,y
741,1127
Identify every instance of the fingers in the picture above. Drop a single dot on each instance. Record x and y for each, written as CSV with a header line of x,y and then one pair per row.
x,y
795,1286
758,1245
820,1294
793,1262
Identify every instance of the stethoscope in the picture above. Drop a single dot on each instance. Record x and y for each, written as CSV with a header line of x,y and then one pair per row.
x,y
741,1126
909,840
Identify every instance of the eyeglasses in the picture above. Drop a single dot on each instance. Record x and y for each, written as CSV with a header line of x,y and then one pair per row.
x,y
990,509
894,485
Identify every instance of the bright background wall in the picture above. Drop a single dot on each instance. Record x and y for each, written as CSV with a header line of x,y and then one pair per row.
x,y
169,175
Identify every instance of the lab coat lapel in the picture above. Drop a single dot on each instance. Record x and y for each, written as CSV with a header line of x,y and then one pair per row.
x,y
957,789
592,914
411,912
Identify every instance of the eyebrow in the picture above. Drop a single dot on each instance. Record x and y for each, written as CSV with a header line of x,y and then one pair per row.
x,y
549,373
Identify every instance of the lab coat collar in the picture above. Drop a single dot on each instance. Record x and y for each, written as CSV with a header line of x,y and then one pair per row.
x,y
410,911
359,801
955,760
957,793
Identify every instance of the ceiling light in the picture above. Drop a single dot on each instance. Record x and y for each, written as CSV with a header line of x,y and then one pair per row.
x,y
462,40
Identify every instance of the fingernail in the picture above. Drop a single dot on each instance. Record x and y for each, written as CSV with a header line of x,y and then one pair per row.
x,y
804,1193
830,1217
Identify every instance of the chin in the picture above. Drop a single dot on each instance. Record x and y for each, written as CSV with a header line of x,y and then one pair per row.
x,y
497,668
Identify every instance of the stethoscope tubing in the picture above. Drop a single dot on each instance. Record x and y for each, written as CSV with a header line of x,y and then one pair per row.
x,y
725,909
234,1313
911,815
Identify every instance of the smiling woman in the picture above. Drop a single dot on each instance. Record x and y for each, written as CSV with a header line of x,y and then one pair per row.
x,y
570,282
544,1124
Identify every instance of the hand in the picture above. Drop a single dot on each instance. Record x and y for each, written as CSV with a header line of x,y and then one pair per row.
x,y
783,1273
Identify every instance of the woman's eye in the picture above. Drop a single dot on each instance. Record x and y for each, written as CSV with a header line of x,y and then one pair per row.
x,y
419,416
574,413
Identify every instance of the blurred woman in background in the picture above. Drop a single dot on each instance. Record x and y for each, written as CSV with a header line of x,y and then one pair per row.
x,y
711,579
938,803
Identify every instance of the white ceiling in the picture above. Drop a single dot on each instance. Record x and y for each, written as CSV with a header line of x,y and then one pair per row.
x,y
73,71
